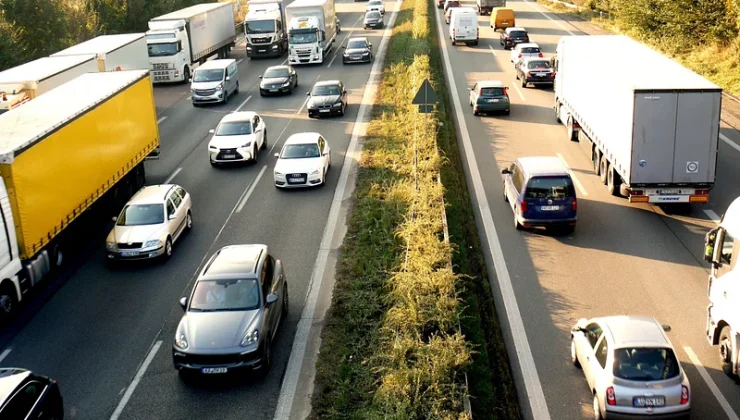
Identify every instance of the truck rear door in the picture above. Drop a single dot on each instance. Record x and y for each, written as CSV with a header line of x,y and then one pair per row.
x,y
466,28
653,137
697,132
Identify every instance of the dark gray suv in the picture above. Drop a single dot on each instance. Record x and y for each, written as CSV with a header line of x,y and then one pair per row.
x,y
232,314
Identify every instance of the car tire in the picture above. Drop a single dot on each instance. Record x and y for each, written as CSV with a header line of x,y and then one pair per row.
x,y
286,300
524,82
517,225
506,199
573,355
323,179
255,154
214,164
189,221
603,168
262,93
475,111
236,91
507,112
264,141
167,249
296,82
341,112
516,75
226,98
597,409
266,357
725,349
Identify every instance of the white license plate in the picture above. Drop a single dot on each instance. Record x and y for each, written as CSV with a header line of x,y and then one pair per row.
x,y
324,110
669,192
214,370
540,75
648,401
549,208
229,156
298,179
263,50
493,100
274,90
504,22
129,253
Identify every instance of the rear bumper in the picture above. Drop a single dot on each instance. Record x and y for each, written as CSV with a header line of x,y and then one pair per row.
x,y
493,107
661,416
263,50
540,81
546,222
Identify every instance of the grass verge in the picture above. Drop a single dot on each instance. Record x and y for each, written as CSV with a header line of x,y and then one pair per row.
x,y
391,347
718,62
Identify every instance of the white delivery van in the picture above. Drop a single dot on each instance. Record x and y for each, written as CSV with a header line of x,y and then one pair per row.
x,y
464,26
215,81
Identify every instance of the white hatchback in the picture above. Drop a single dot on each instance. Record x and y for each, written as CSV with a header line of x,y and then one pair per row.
x,y
525,50
237,138
303,161
375,6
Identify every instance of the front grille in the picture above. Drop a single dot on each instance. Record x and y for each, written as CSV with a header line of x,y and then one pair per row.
x,y
134,245
233,152
212,359
260,40
323,106
160,66
205,92
290,178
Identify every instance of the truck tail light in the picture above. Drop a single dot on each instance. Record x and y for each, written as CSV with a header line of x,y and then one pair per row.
x,y
702,192
523,206
611,397
684,394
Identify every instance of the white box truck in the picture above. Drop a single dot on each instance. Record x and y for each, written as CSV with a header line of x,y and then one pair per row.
x,y
180,41
312,28
114,52
20,84
264,28
722,251
650,125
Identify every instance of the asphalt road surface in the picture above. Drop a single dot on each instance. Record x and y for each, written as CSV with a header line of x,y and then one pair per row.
x,y
622,259
96,332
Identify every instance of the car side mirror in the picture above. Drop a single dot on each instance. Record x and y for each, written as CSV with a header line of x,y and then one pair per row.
x,y
308,93
271,298
344,47
228,78
370,45
277,155
259,77
114,218
212,131
184,302
506,88
506,172
325,154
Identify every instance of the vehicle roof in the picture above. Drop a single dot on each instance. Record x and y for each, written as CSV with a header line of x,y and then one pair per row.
x,y
191,11
528,45
278,67
731,219
234,260
328,83
514,28
630,58
101,44
151,194
360,38
490,83
10,379
542,166
43,68
462,10
301,138
306,3
528,59
238,116
635,330
216,64
22,127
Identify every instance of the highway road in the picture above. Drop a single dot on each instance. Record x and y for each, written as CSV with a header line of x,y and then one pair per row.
x,y
106,335
622,259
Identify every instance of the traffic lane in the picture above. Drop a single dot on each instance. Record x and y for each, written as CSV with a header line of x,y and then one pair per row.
x,y
293,235
727,186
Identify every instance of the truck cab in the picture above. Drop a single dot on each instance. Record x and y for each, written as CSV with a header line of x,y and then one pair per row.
x,y
306,39
722,251
264,29
169,51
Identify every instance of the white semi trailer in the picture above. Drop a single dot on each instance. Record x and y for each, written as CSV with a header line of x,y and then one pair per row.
x,y
312,29
114,52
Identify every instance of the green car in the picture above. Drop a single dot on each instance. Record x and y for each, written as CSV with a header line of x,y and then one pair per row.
x,y
489,96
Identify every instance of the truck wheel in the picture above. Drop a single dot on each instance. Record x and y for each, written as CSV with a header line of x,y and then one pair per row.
x,y
186,75
613,181
557,112
725,349
596,160
603,169
572,133
57,256
8,301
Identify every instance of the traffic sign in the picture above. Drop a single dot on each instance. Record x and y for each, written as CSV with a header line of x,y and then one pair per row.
x,y
426,95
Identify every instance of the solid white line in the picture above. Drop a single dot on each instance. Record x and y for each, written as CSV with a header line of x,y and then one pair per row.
x,y
331,61
172,176
730,142
492,50
242,104
135,382
239,60
710,383
297,353
4,354
572,175
537,8
712,216
516,88
250,189
284,61
190,98
159,121
535,395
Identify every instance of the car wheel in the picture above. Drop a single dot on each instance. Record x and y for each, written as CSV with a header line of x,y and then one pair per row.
x,y
507,112
517,225
341,112
597,410
725,349
255,154
189,221
264,141
475,111
286,300
8,302
573,355
214,164
226,98
516,74
266,357
236,91
524,82
168,248
262,93
296,83
323,178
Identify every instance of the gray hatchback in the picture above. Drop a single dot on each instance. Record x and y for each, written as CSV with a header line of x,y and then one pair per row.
x,y
232,313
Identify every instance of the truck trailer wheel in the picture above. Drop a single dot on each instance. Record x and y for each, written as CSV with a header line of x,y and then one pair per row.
x,y
8,301
603,169
613,181
596,158
725,349
557,108
572,133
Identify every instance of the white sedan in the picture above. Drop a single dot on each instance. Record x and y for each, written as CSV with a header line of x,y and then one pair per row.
x,y
375,6
303,161
237,138
524,51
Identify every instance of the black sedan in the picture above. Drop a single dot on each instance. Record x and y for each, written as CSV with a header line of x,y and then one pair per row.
x,y
535,71
373,20
327,98
358,50
278,80
512,36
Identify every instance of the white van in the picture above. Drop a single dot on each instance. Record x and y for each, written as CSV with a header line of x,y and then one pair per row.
x,y
464,26
215,81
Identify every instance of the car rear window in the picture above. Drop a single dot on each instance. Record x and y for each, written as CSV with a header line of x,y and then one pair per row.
x,y
539,65
645,364
453,4
492,91
530,50
517,34
550,187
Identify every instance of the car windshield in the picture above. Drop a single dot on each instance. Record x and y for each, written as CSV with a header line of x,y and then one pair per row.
x,y
517,34
226,295
356,44
550,187
208,75
260,26
299,151
539,65
645,364
375,3
274,73
530,50
325,90
372,15
239,128
162,50
492,92
141,214
302,38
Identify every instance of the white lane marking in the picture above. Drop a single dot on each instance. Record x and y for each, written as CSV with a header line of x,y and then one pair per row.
x,y
159,121
284,61
250,188
492,50
190,98
560,25
331,61
242,104
239,60
527,366
140,374
4,354
729,142
710,383
516,88
297,352
172,176
572,175
346,37
712,216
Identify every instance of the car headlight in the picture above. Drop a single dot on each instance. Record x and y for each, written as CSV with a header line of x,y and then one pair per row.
x,y
287,83
180,341
247,144
153,242
278,173
251,338
110,245
316,172
220,86
337,105
365,54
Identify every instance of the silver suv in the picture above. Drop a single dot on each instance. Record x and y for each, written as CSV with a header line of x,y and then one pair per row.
x,y
232,314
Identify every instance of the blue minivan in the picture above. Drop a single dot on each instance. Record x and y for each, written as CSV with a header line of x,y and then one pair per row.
x,y
541,193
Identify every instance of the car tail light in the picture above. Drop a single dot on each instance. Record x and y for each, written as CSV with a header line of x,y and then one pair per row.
x,y
520,55
541,55
574,205
684,394
611,397
453,33
508,38
506,93
523,206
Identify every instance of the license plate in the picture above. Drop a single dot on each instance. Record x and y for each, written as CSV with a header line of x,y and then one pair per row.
x,y
549,208
504,22
324,110
648,401
493,100
263,50
274,90
129,253
540,75
214,370
671,191
298,179
229,156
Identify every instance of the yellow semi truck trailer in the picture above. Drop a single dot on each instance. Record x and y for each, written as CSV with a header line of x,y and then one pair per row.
x,y
76,148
